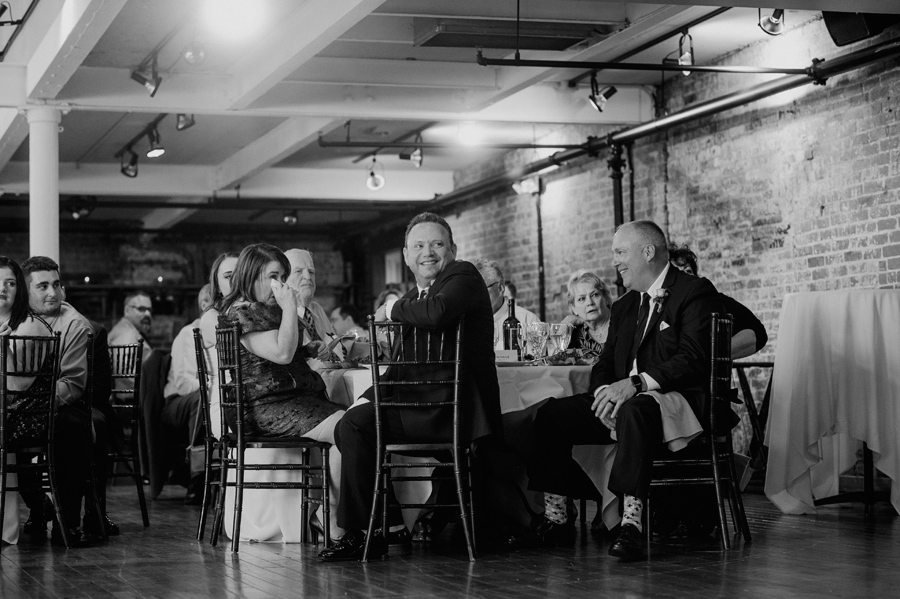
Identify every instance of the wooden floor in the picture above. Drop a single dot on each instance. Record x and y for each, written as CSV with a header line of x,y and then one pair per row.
x,y
836,553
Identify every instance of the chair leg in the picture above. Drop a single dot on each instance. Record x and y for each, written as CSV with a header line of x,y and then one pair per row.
x,y
57,504
583,507
739,515
238,500
3,475
207,491
726,541
93,499
326,495
461,496
377,493
219,515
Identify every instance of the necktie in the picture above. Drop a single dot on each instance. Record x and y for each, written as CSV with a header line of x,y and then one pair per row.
x,y
423,293
311,326
643,314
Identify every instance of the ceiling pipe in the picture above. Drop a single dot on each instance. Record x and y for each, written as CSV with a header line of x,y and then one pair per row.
x,y
632,66
574,81
817,72
440,146
257,204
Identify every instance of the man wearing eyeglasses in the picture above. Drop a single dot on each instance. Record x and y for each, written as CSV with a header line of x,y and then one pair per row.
x,y
135,325
496,286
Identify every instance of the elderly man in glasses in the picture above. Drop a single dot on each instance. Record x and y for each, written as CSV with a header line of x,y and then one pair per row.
x,y
134,326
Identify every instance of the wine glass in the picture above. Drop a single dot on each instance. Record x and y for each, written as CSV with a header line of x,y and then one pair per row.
x,y
537,333
560,334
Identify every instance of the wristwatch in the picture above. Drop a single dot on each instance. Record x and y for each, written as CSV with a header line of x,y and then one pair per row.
x,y
637,381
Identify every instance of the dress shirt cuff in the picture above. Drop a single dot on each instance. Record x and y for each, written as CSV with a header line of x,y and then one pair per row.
x,y
388,308
651,383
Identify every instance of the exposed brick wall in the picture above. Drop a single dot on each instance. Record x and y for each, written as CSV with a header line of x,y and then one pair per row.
x,y
799,191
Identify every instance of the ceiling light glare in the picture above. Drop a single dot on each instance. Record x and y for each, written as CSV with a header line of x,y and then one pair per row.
x,y
194,53
290,217
686,51
233,20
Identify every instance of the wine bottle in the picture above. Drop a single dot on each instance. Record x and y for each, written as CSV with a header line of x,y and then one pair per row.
x,y
511,330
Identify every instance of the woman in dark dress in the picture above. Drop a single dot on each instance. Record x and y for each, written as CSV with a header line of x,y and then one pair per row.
x,y
283,395
589,301
16,319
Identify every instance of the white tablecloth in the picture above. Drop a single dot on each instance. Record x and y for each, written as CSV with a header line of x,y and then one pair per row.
x,y
524,386
835,385
521,388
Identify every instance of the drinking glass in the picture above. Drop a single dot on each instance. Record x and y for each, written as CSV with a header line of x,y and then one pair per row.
x,y
560,334
537,333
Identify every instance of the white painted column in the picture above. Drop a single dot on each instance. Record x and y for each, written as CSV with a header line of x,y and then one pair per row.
x,y
43,181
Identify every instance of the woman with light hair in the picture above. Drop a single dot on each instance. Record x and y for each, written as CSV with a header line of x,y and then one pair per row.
x,y
589,301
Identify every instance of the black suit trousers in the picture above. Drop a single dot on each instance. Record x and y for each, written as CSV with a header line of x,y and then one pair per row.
x,y
355,437
562,423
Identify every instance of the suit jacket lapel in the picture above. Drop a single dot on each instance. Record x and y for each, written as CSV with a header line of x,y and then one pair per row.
x,y
625,335
655,308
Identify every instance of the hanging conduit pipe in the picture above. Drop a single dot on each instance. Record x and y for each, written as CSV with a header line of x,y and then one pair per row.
x,y
817,72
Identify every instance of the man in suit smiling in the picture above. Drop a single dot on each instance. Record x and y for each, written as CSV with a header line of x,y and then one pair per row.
x,y
446,290
649,387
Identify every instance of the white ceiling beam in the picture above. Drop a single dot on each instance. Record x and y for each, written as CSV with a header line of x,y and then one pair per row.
x,y
285,183
270,149
165,218
12,85
395,73
13,131
67,42
94,88
314,25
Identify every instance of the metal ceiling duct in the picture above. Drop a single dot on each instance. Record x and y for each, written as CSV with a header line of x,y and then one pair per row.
x,y
531,35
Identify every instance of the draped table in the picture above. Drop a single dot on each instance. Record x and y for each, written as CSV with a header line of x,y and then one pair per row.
x,y
523,389
834,386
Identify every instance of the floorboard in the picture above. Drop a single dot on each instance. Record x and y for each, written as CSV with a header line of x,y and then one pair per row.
x,y
838,552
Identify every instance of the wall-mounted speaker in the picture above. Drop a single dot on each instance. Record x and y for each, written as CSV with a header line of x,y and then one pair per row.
x,y
848,27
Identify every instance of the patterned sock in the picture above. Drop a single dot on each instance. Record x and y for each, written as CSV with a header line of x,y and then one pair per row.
x,y
555,508
632,512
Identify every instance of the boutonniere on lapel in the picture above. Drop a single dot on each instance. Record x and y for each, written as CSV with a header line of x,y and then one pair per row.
x,y
658,297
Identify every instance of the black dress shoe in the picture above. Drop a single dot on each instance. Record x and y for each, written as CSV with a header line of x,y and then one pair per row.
x,y
549,533
77,538
90,528
350,548
194,495
630,544
36,525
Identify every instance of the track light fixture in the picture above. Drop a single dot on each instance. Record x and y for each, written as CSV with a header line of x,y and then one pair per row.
x,y
290,217
82,207
686,51
414,155
148,75
598,97
156,148
184,121
772,24
375,180
129,163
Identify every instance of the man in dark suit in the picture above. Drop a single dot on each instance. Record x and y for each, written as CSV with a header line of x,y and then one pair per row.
x,y
447,290
648,387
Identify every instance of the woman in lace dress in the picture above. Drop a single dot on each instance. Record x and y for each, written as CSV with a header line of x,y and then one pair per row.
x,y
283,395
589,301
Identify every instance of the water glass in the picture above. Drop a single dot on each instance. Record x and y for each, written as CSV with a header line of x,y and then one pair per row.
x,y
560,334
537,333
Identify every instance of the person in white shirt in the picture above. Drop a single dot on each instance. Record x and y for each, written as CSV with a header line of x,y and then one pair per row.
x,y
496,285
182,394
